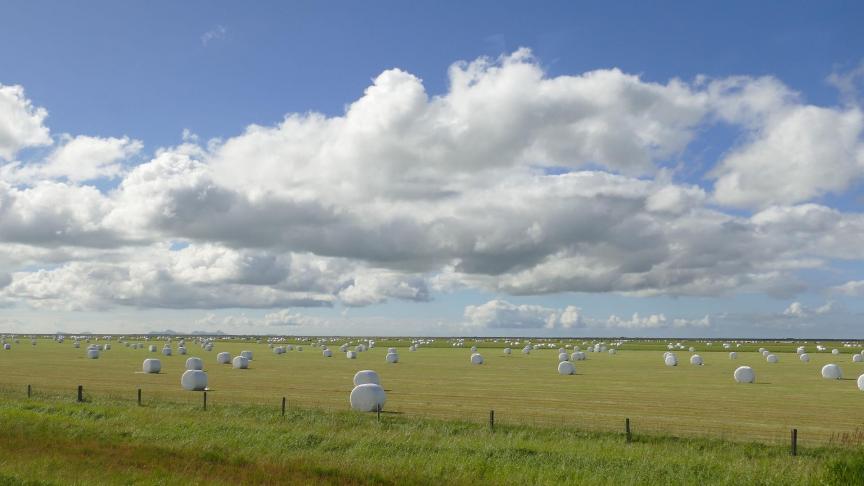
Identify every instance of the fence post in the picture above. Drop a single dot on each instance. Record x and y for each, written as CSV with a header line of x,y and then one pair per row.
x,y
283,406
139,397
627,430
205,399
378,411
794,442
492,420
80,393
29,391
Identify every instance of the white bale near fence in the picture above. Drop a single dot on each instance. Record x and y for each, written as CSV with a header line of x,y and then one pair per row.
x,y
367,397
351,354
771,358
526,350
761,350
476,359
857,358
800,350
765,353
508,351
563,357
696,360
391,350
392,358
246,354
861,382
289,347
804,357
671,360
473,349
343,348
76,344
181,350
744,374
194,380
366,376
93,353
223,358
566,368
733,355
831,372
327,353
152,348
7,346
107,347
412,348
166,351
151,365
209,347
578,356
194,363
360,348
692,349
835,351
240,362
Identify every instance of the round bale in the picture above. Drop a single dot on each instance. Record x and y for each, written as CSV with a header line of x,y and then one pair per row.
x,y
223,358
240,362
744,374
194,363
367,397
566,368
194,380
366,376
151,365
831,372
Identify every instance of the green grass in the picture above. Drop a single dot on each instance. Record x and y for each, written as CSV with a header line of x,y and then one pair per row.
x,y
438,382
52,440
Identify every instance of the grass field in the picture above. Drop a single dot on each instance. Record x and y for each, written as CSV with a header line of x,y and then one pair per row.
x,y
439,382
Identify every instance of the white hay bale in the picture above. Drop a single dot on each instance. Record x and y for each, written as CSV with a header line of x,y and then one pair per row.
x,y
800,350
367,397
696,360
476,359
613,351
343,348
692,349
563,357
194,380
152,348
861,382
7,346
804,357
151,365
76,344
566,368
194,363
508,351
733,355
181,350
166,351
366,376
223,358
327,353
93,353
526,350
240,362
831,372
857,358
473,349
412,348
577,356
765,353
671,360
391,350
835,351
107,347
744,374
351,354
771,358
246,354
392,358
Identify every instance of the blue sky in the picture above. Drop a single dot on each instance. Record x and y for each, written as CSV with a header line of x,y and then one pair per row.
x,y
146,72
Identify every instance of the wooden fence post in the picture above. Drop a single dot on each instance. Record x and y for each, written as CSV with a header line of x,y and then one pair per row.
x,y
205,399
29,391
139,397
794,442
283,406
80,393
492,420
627,430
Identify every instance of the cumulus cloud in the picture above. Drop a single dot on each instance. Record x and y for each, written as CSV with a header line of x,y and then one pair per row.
x,y
500,314
77,159
655,321
21,123
799,310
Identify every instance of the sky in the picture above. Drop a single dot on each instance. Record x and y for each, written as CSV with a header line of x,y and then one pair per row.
x,y
442,168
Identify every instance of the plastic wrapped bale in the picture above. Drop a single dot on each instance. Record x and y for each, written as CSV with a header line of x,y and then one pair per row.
x,y
412,348
343,348
327,353
194,363
181,350
391,350
351,354
194,380
563,357
577,356
765,353
671,360
566,368
151,365
835,351
7,346
93,353
744,374
857,358
613,351
107,347
366,376
696,360
392,358
526,350
76,344
772,358
289,347
476,359
692,349
360,348
246,354
166,351
733,355
508,351
209,347
804,357
800,350
240,362
223,358
831,372
861,382
367,397
152,348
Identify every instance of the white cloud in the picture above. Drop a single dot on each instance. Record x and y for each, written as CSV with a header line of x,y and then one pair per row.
x,y
655,321
216,33
799,310
500,314
853,288
21,124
